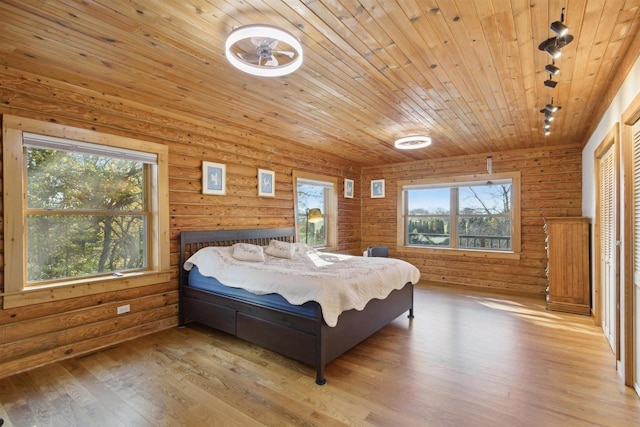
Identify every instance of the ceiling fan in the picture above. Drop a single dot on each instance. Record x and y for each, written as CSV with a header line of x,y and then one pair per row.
x,y
264,52
254,49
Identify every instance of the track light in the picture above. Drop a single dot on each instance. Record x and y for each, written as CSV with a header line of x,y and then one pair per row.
x,y
548,117
552,69
550,83
547,122
547,132
553,51
550,108
559,28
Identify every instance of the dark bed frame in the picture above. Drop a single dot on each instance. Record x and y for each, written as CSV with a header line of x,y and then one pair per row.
x,y
307,339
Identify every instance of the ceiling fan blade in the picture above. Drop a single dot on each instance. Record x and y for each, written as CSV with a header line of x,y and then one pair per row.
x,y
249,57
271,62
288,53
264,42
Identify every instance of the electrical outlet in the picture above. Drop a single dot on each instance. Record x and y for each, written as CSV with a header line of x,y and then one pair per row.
x,y
124,309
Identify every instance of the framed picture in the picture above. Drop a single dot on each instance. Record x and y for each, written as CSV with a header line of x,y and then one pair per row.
x,y
266,183
348,188
377,188
214,180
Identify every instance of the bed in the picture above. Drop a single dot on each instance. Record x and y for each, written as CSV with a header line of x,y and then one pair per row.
x,y
298,331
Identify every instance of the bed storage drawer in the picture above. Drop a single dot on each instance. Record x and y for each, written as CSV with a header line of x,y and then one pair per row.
x,y
212,315
286,341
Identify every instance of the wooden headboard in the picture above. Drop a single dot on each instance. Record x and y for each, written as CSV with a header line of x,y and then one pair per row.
x,y
192,241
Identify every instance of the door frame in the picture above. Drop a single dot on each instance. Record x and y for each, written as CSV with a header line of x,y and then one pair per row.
x,y
629,117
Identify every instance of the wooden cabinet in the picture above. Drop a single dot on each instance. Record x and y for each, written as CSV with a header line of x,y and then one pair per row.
x,y
568,264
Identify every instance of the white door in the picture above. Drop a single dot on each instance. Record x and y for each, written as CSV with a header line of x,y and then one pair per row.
x,y
608,261
636,254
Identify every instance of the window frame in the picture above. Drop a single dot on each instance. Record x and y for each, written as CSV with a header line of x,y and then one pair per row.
x,y
456,181
16,290
331,207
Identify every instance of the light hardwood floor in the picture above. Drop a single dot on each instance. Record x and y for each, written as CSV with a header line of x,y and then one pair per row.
x,y
467,359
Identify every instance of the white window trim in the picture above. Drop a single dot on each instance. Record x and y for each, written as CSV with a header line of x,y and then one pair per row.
x,y
16,292
461,180
331,205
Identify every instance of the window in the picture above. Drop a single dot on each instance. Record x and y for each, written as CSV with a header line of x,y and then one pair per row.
x,y
81,207
462,213
316,209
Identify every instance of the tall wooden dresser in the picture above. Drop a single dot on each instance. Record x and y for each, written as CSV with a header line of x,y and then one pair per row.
x,y
568,264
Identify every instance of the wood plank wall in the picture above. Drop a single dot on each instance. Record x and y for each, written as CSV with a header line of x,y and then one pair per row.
x,y
38,334
551,186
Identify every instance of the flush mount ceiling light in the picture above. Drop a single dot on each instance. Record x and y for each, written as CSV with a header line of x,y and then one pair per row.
x,y
263,50
412,142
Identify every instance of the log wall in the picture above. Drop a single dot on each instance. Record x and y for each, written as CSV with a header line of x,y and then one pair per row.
x,y
40,333
551,186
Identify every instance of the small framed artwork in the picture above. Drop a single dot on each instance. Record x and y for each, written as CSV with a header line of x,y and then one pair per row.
x,y
266,183
348,188
377,188
214,179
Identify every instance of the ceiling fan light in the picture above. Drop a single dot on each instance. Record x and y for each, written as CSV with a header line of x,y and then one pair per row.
x,y
412,142
263,31
552,69
559,28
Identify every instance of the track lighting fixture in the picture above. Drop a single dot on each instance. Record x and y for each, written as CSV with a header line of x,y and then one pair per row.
x,y
558,27
552,69
553,51
550,83
548,117
547,132
550,108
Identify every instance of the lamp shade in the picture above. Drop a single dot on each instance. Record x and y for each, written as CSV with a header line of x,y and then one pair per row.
x,y
314,215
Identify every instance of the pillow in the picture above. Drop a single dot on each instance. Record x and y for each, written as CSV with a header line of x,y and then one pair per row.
x,y
280,249
248,252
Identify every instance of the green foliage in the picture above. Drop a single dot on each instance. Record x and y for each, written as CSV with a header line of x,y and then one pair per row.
x,y
85,214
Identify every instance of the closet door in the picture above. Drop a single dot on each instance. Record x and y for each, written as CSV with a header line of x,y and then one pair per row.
x,y
608,247
636,252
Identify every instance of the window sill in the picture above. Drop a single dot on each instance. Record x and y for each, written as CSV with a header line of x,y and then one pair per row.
x,y
459,252
38,294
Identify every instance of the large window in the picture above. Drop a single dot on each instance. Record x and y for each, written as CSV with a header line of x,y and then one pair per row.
x,y
92,198
464,213
316,209
81,207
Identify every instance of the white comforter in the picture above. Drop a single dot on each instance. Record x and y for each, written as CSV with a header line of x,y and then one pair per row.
x,y
337,282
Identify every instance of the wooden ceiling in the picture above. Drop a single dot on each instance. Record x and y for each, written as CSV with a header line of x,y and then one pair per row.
x,y
467,73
